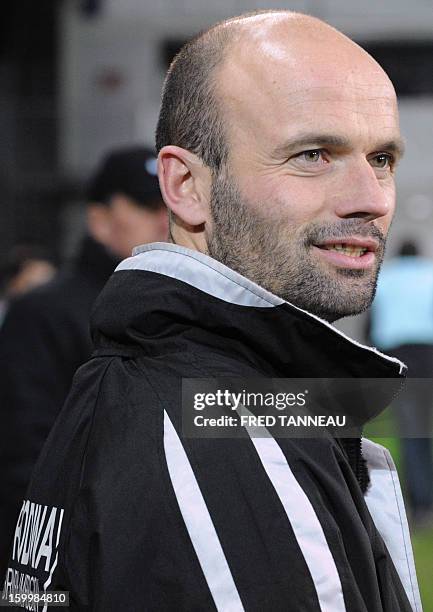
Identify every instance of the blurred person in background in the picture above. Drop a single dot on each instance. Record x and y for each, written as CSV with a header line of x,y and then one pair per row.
x,y
401,323
45,336
25,267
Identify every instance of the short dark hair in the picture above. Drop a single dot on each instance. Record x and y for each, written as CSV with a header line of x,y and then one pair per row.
x,y
190,115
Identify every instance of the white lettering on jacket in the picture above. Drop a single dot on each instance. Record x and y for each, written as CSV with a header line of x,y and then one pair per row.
x,y
37,534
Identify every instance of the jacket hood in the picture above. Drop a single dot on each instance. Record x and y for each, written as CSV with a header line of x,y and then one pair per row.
x,y
166,296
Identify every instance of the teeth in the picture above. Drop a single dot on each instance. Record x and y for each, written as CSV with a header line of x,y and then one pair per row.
x,y
350,251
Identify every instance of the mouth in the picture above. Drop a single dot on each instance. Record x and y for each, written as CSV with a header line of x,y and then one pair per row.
x,y
353,252
346,249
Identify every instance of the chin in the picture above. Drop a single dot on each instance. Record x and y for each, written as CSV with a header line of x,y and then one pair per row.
x,y
330,310
350,311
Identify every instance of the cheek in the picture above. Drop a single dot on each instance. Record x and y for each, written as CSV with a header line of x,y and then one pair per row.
x,y
146,228
288,199
126,235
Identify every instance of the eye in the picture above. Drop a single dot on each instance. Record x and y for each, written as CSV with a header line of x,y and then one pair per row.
x,y
312,161
382,161
313,156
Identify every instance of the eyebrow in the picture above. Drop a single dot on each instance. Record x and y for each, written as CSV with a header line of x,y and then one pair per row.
x,y
315,140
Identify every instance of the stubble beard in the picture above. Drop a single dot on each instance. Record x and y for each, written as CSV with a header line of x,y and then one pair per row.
x,y
280,258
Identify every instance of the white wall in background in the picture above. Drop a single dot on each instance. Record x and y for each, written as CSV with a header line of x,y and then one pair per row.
x,y
366,18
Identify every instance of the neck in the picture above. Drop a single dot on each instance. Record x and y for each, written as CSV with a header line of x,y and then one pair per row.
x,y
191,238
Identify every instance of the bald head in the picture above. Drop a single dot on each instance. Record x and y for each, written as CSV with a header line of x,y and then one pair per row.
x,y
249,57
282,64
304,45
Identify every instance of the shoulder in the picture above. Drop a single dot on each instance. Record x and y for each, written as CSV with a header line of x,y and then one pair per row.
x,y
377,456
127,410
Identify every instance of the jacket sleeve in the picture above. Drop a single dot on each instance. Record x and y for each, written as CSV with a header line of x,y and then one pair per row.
x,y
93,496
39,547
108,539
37,362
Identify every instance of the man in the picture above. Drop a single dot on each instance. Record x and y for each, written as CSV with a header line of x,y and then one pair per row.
x,y
46,337
277,164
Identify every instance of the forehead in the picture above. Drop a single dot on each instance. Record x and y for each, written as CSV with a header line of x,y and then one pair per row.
x,y
274,91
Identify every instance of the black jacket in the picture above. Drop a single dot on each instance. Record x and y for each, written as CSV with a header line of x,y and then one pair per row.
x,y
44,339
126,513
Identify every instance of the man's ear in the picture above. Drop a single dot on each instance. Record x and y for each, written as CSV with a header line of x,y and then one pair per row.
x,y
185,184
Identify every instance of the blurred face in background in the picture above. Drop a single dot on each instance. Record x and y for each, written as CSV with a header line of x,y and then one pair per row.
x,y
33,273
304,204
124,224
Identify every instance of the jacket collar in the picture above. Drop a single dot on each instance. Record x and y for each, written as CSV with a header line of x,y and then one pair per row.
x,y
294,341
167,299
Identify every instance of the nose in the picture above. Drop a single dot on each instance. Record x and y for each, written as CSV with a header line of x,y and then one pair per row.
x,y
363,195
